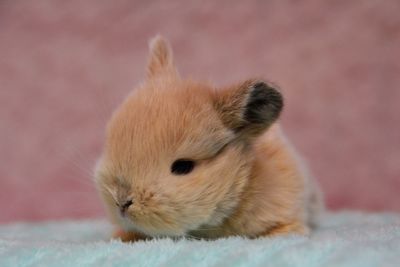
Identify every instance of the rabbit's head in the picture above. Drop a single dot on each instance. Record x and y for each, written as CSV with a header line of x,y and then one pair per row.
x,y
178,153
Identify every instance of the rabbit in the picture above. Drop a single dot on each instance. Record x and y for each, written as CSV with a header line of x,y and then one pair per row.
x,y
186,159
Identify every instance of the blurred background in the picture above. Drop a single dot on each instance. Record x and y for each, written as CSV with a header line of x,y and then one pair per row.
x,y
65,65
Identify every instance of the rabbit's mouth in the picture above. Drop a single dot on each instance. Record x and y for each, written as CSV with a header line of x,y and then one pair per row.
x,y
150,228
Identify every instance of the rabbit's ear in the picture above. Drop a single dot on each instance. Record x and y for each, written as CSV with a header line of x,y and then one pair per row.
x,y
250,107
161,59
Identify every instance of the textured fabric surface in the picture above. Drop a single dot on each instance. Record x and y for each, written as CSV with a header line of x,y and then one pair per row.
x,y
343,239
64,65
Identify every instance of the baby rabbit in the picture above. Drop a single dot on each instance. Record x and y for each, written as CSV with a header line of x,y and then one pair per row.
x,y
183,158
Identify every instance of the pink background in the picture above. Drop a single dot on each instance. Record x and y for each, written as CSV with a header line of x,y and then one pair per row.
x,y
64,66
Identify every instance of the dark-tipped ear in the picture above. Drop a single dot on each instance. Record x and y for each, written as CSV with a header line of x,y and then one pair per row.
x,y
161,58
250,107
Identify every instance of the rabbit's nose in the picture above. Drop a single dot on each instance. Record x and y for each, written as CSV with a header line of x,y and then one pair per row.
x,y
125,206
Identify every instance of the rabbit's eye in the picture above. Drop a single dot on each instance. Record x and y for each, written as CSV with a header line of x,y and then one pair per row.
x,y
182,166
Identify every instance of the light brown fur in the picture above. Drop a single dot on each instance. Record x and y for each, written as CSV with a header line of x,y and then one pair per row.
x,y
247,180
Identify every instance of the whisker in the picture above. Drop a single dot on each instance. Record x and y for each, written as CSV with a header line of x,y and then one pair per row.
x,y
78,155
110,192
80,168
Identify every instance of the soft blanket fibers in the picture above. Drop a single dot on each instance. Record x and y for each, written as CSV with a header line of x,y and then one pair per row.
x,y
343,239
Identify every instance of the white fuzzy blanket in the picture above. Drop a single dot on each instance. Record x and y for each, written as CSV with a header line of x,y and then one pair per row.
x,y
343,239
